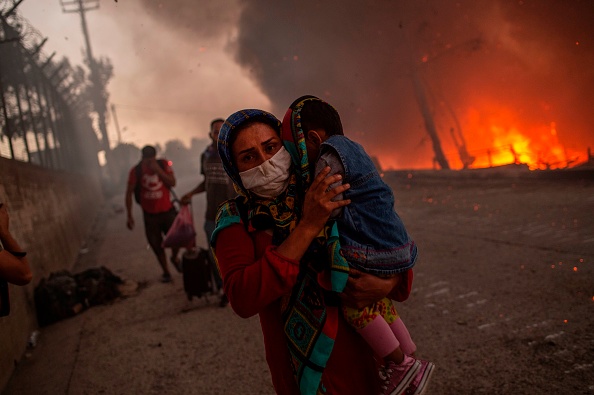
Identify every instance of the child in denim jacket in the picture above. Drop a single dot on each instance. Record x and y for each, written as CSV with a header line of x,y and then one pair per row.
x,y
372,236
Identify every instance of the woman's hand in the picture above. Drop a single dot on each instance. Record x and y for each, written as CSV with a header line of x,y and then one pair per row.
x,y
363,289
318,204
317,207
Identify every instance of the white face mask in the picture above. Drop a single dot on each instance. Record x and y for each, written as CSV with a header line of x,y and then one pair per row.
x,y
271,177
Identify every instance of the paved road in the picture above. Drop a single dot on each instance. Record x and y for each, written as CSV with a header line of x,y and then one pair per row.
x,y
503,302
503,299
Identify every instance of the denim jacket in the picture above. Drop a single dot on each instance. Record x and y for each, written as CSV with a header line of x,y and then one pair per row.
x,y
372,236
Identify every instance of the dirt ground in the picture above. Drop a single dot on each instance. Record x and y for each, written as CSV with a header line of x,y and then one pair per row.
x,y
502,302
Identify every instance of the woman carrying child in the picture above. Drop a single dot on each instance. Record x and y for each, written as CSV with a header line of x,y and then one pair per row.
x,y
270,244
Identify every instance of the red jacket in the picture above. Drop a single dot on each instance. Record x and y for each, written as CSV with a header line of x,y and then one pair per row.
x,y
255,277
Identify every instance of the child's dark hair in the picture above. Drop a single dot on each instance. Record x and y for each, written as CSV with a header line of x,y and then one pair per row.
x,y
317,114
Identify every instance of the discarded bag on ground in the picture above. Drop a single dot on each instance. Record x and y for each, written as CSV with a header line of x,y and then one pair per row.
x,y
182,233
57,298
98,286
64,295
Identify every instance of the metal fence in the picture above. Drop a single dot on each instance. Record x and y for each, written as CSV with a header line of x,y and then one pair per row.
x,y
44,114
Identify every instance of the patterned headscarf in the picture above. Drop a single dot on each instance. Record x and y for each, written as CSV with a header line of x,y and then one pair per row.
x,y
227,135
293,137
311,313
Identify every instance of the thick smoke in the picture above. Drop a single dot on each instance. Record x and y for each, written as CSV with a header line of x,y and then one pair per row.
x,y
531,58
205,19
172,73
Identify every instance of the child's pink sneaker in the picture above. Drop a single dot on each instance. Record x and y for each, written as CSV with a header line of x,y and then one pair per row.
x,y
419,384
397,377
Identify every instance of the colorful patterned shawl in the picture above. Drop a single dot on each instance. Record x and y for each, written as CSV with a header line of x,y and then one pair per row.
x,y
311,313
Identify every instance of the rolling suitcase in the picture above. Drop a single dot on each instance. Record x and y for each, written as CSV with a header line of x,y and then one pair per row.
x,y
197,273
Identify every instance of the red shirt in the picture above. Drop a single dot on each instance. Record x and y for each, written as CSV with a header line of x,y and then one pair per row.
x,y
255,277
154,194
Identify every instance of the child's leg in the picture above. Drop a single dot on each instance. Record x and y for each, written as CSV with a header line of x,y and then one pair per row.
x,y
406,343
399,370
371,325
388,311
381,339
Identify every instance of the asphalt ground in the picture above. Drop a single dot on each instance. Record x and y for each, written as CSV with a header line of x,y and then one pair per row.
x,y
502,301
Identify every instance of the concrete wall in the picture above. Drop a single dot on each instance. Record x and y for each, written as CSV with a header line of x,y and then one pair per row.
x,y
51,213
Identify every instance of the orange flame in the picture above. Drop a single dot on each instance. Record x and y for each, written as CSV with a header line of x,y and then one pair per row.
x,y
497,139
497,135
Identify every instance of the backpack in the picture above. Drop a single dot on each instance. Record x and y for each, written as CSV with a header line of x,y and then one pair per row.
x,y
57,298
138,169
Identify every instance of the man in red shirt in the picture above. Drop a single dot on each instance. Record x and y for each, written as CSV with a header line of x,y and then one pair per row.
x,y
155,179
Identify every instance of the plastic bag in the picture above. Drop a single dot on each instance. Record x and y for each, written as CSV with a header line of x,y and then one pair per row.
x,y
182,232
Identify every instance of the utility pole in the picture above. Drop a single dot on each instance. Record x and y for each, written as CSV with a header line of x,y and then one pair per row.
x,y
426,113
99,102
428,118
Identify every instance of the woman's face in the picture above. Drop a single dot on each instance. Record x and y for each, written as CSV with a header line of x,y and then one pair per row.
x,y
254,145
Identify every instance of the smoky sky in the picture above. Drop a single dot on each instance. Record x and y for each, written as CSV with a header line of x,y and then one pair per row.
x,y
535,59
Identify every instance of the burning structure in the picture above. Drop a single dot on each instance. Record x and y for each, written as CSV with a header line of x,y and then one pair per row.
x,y
424,84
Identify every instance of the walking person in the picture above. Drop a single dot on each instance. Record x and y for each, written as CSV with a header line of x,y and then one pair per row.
x,y
218,187
150,182
271,243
